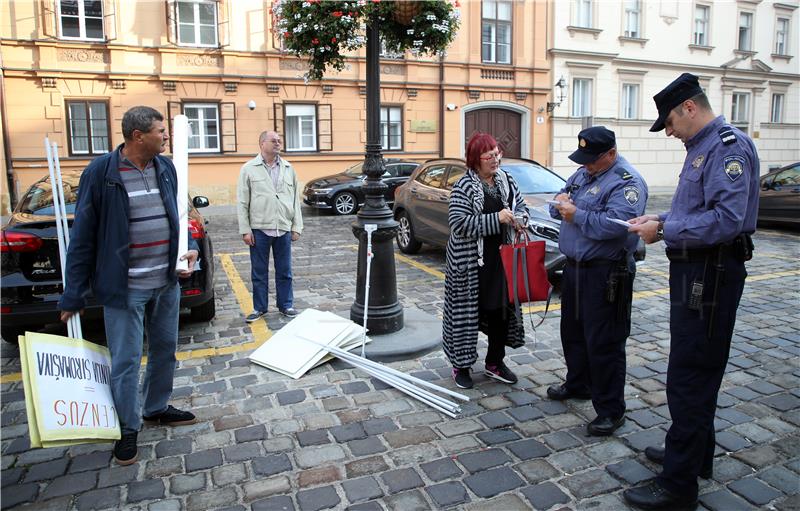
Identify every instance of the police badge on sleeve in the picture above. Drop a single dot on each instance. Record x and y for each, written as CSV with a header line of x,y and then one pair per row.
x,y
631,194
734,166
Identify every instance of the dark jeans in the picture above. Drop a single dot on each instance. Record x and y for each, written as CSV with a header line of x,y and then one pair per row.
x,y
497,333
696,367
259,270
593,337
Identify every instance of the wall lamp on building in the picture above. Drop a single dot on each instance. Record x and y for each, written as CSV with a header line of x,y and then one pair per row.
x,y
251,105
559,94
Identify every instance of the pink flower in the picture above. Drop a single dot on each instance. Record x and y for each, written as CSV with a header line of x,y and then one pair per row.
x,y
315,41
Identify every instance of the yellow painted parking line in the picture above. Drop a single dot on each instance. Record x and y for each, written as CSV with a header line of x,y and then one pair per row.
x,y
420,266
651,271
776,256
259,328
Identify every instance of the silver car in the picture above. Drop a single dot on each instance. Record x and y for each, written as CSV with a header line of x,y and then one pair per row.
x,y
421,205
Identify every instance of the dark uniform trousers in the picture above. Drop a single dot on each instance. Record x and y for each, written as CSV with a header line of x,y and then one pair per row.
x,y
593,334
696,365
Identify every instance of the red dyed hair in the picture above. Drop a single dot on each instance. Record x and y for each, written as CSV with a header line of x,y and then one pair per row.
x,y
478,144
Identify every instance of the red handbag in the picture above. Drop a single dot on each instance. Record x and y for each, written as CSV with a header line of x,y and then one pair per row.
x,y
523,264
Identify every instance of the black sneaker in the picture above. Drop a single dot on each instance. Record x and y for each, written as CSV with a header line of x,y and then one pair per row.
x,y
172,417
254,316
500,372
289,312
125,450
462,378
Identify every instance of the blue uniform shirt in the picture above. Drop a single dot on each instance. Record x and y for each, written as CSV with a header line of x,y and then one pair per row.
x,y
619,192
717,194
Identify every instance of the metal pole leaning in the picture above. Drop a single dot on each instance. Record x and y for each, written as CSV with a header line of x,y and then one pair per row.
x,y
369,229
75,319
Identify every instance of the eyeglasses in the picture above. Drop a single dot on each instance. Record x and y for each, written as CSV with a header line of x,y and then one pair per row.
x,y
493,156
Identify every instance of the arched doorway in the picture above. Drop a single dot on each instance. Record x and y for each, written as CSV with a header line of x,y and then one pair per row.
x,y
504,125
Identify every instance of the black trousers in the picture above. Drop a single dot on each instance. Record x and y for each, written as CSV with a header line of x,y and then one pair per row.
x,y
593,336
497,333
696,367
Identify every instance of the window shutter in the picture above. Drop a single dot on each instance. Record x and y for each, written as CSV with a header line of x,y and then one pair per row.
x,y
171,7
110,19
49,18
173,108
324,128
278,119
227,118
223,23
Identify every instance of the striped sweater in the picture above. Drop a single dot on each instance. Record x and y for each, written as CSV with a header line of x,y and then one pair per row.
x,y
468,226
148,228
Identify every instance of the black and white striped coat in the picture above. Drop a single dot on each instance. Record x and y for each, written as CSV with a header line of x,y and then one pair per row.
x,y
468,226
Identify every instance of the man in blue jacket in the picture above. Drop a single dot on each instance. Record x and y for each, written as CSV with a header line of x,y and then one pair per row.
x,y
123,249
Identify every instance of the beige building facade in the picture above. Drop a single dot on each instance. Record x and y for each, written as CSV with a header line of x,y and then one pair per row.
x,y
71,70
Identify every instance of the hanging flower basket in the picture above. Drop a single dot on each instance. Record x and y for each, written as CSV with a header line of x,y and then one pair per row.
x,y
324,31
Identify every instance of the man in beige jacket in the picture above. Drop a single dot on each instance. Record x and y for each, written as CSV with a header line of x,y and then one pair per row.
x,y
269,219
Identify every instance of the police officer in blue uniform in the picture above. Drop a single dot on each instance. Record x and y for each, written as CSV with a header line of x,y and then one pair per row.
x,y
598,279
707,234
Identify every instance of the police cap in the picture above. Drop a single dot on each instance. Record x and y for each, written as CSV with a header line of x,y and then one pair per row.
x,y
592,142
686,86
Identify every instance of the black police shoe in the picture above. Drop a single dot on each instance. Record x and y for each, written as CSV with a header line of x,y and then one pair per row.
x,y
656,455
254,316
561,392
653,496
125,450
171,417
604,426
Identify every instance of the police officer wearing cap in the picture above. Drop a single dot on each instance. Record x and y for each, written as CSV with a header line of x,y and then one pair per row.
x,y
598,279
707,234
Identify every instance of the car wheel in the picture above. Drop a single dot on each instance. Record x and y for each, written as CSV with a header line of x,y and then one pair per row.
x,y
205,312
405,235
10,334
345,203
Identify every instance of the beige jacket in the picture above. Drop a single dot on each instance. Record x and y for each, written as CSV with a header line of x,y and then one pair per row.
x,y
261,206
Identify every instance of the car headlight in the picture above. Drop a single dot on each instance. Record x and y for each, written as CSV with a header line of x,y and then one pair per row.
x,y
321,190
542,230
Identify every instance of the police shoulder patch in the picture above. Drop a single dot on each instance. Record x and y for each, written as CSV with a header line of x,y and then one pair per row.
x,y
734,166
727,135
631,194
624,174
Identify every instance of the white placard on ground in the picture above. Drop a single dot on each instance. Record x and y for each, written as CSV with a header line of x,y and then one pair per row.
x,y
288,353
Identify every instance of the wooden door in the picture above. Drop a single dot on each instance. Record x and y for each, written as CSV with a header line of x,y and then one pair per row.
x,y
504,125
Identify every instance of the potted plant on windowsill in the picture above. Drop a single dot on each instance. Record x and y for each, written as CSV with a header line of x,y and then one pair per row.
x,y
323,31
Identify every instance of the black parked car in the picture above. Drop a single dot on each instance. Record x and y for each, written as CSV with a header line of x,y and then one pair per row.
x,y
421,206
779,200
343,193
31,269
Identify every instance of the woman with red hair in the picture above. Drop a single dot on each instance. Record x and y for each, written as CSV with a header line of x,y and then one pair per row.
x,y
485,210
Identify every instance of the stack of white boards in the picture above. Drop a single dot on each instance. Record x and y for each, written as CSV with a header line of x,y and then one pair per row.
x,y
287,351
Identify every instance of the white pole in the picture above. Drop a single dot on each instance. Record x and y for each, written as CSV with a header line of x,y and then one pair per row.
x,y
369,228
375,365
60,235
180,157
75,319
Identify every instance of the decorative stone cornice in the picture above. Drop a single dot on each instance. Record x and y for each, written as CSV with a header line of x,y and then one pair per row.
x,y
49,82
168,86
198,60
80,55
117,84
392,69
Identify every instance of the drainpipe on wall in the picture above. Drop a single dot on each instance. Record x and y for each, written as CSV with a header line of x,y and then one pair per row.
x,y
12,189
441,106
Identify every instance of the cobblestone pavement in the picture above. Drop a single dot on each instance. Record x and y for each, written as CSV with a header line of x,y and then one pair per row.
x,y
338,439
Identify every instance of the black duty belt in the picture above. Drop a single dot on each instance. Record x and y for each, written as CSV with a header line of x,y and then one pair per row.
x,y
695,255
590,262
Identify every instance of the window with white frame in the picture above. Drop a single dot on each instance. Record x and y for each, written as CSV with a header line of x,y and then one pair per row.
x,y
583,13
391,128
781,36
496,32
632,18
203,127
630,100
776,115
745,31
581,97
740,107
87,122
197,22
301,128
81,19
702,13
